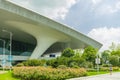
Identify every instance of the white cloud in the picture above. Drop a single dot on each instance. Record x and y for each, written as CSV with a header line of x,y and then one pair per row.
x,y
106,36
51,8
104,7
117,6
96,2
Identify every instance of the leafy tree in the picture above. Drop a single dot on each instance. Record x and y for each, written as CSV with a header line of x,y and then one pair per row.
x,y
89,54
77,55
68,52
105,56
114,60
117,53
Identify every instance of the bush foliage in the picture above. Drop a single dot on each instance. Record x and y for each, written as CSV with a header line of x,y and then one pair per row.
x,y
34,62
114,60
108,68
69,62
89,54
68,52
47,73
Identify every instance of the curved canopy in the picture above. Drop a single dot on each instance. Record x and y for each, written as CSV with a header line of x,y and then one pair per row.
x,y
28,26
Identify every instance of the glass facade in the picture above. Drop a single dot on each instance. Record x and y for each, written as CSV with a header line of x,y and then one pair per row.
x,y
18,48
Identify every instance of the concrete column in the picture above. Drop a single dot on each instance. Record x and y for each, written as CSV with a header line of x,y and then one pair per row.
x,y
43,43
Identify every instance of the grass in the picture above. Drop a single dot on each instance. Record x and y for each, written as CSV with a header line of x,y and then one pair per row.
x,y
96,73
7,76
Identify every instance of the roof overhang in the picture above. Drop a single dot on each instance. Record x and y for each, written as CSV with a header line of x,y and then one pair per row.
x,y
26,25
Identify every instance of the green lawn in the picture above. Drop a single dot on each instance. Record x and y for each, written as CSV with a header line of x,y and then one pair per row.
x,y
7,76
96,73
100,72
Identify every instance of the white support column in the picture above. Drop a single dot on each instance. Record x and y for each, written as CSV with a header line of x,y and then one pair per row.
x,y
43,43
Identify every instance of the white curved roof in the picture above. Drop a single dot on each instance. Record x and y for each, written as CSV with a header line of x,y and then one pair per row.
x,y
14,17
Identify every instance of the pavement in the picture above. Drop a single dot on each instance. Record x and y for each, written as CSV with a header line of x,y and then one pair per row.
x,y
114,76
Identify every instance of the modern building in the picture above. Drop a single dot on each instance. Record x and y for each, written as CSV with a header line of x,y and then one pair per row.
x,y
34,35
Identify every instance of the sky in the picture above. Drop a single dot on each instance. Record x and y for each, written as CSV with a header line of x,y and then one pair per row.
x,y
98,19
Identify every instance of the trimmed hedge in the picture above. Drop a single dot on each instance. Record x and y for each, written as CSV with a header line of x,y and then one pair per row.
x,y
108,68
47,73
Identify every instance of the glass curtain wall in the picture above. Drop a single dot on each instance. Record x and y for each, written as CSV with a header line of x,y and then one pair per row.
x,y
18,48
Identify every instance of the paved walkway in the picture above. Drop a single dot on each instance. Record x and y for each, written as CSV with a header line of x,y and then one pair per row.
x,y
114,76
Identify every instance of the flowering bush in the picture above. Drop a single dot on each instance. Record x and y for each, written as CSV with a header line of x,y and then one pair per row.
x,y
47,73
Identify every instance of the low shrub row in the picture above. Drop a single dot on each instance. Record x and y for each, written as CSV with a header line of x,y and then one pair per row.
x,y
47,73
108,68
103,69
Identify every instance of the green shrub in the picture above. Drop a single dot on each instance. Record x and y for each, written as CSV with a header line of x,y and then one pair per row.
x,y
34,62
91,70
68,52
115,68
52,62
105,69
62,67
114,60
78,61
72,64
20,64
75,66
87,65
46,73
108,68
63,60
105,65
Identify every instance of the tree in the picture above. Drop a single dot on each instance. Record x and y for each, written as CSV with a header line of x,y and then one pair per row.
x,y
89,54
114,60
105,56
77,55
68,52
117,53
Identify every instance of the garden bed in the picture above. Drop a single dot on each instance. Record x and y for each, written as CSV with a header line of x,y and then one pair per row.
x,y
47,73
